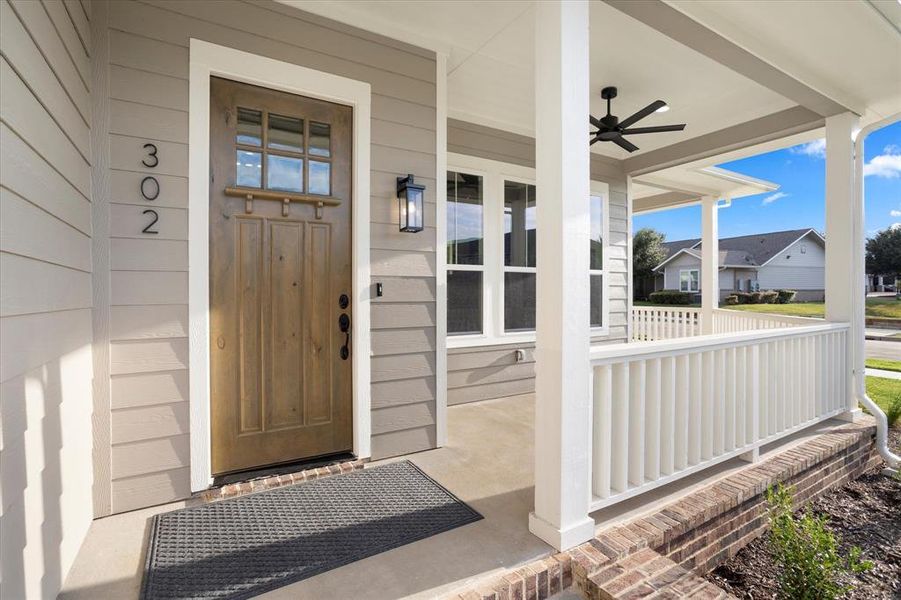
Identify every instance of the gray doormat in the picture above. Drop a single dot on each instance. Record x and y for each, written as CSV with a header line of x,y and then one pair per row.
x,y
245,546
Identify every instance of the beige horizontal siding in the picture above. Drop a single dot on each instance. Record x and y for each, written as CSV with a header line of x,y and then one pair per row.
x,y
46,295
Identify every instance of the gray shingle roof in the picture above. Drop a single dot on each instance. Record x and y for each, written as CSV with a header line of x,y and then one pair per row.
x,y
750,250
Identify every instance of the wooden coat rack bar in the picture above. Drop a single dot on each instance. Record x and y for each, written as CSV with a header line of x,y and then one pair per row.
x,y
286,198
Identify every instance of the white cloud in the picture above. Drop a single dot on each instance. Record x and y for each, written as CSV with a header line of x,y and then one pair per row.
x,y
894,213
886,165
773,197
816,148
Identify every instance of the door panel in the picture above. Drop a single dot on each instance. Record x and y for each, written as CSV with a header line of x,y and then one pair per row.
x,y
280,387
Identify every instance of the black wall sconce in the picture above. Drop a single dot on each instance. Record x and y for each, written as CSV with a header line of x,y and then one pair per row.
x,y
409,201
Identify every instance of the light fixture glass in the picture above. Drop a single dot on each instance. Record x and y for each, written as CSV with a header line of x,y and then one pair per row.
x,y
663,108
409,202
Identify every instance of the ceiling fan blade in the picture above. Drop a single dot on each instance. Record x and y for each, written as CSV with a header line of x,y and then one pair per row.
x,y
624,144
656,129
653,106
596,139
596,122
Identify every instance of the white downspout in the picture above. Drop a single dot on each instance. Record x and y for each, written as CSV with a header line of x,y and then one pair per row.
x,y
859,302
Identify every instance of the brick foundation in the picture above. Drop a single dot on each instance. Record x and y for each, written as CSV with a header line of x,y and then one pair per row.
x,y
661,554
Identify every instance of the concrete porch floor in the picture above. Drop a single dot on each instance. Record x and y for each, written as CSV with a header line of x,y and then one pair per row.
x,y
488,463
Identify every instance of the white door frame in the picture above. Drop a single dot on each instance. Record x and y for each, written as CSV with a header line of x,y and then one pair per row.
x,y
208,60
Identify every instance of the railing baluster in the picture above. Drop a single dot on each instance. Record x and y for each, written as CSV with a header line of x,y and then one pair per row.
x,y
652,419
719,401
682,383
707,416
740,395
667,414
619,435
601,438
729,399
636,421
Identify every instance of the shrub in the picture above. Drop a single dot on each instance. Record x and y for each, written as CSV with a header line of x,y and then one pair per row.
x,y
807,552
894,411
671,297
768,297
743,297
785,296
731,300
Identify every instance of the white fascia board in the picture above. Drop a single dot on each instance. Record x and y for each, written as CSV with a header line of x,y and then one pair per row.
x,y
739,178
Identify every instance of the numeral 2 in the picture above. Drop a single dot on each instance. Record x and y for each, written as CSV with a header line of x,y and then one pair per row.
x,y
155,218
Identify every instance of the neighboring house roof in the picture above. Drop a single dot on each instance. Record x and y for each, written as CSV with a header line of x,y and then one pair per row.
x,y
742,251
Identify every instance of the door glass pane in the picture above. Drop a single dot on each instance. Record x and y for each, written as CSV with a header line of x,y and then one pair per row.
x,y
465,214
320,139
250,126
285,133
597,233
248,169
519,301
464,302
284,173
519,224
320,182
596,301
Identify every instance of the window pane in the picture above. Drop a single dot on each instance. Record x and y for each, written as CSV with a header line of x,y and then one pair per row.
x,y
250,126
695,281
320,182
283,173
465,214
320,139
464,302
519,301
519,224
597,233
248,170
684,281
285,133
596,302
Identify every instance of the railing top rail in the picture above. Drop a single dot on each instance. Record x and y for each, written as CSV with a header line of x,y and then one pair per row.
x,y
770,317
667,307
701,343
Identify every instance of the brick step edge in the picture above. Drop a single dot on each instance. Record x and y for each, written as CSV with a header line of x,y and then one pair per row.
x,y
269,482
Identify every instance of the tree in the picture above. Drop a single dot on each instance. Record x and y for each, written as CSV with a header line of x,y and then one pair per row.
x,y
884,252
647,253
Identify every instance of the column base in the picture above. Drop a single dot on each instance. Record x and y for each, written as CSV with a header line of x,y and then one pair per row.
x,y
561,539
852,416
751,456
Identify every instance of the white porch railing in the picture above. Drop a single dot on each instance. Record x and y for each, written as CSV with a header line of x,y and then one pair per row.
x,y
651,323
664,323
664,410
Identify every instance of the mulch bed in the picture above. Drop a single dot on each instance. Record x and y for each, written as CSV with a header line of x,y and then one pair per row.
x,y
864,513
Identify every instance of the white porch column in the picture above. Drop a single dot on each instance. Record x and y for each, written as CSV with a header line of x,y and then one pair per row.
x,y
710,268
562,386
844,240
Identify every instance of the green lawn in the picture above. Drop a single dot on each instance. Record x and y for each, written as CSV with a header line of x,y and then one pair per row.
x,y
884,392
884,308
884,364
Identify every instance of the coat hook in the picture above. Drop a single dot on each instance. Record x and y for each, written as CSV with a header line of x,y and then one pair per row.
x,y
248,203
285,204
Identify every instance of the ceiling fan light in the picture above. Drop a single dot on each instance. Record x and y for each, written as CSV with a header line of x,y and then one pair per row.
x,y
663,108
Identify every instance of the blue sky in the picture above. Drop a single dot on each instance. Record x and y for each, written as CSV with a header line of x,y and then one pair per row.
x,y
800,172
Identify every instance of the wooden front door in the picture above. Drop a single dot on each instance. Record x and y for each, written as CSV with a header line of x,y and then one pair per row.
x,y
280,277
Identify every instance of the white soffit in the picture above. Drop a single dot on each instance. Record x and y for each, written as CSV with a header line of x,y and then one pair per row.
x,y
490,47
847,50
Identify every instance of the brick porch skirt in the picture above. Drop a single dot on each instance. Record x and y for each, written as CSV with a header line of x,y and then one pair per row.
x,y
663,554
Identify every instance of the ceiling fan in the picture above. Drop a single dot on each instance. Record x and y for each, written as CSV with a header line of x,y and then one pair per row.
x,y
611,129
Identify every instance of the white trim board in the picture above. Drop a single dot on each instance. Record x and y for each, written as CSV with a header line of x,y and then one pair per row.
x,y
208,60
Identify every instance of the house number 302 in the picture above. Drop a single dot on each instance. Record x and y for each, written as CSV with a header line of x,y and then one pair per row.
x,y
150,187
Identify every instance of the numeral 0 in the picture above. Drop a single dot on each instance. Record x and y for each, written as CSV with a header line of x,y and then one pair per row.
x,y
150,188
155,218
151,154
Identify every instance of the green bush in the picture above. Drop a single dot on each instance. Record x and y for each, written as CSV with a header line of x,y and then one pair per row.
x,y
743,297
768,297
671,297
731,300
894,411
806,551
785,296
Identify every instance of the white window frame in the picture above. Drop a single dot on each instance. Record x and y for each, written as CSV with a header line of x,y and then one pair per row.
x,y
494,174
689,290
599,188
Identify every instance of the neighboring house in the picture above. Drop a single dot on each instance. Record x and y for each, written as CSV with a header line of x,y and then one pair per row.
x,y
793,259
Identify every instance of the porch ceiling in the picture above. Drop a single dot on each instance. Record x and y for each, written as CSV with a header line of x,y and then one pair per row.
x,y
846,54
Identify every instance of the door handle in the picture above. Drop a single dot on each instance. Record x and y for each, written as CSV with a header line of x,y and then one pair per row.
x,y
344,326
